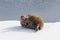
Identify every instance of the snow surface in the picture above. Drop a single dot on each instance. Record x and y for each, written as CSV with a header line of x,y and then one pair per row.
x,y
12,30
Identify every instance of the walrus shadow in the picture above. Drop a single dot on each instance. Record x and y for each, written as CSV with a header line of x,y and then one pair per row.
x,y
19,29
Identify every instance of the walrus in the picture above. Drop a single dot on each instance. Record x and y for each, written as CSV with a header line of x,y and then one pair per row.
x,y
32,22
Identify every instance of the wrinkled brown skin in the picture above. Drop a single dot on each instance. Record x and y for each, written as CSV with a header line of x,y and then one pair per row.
x,y
33,22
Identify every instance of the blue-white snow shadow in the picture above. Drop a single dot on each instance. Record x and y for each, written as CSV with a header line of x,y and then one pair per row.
x,y
19,29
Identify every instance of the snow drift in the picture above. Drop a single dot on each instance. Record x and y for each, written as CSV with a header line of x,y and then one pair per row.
x,y
12,30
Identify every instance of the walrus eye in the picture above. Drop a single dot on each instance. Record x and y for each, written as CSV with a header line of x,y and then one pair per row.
x,y
22,16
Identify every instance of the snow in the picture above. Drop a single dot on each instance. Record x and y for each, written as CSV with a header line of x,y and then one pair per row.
x,y
12,30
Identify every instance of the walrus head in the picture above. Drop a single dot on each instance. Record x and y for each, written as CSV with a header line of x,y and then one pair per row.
x,y
25,19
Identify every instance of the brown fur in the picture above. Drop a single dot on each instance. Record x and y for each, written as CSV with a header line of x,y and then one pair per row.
x,y
33,22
